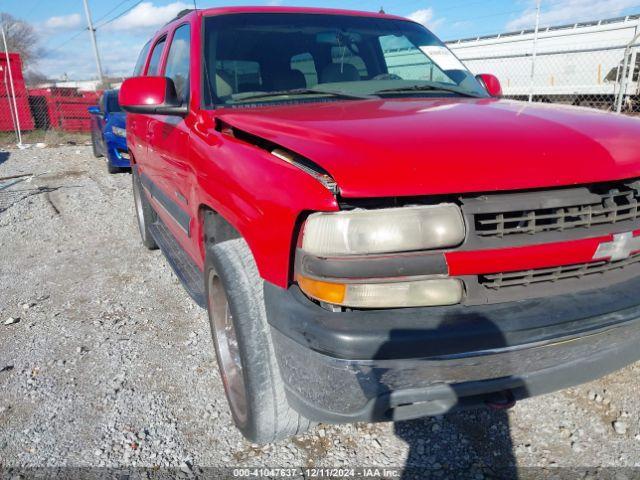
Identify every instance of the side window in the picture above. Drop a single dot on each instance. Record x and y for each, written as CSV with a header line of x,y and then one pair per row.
x,y
178,61
345,55
156,55
112,103
142,59
304,63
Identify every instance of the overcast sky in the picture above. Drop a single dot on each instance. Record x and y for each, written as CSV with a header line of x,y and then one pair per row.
x,y
66,48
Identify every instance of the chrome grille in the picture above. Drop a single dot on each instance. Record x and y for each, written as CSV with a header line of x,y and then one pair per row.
x,y
616,205
551,275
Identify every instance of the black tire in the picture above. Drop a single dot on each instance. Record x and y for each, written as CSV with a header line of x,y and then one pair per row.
x,y
145,214
111,168
267,417
94,146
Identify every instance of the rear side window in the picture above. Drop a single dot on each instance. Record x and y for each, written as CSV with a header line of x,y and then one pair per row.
x,y
142,59
156,55
178,61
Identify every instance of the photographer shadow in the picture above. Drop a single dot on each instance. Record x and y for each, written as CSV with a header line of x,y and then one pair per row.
x,y
470,437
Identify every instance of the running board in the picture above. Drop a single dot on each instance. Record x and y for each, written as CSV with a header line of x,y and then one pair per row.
x,y
185,268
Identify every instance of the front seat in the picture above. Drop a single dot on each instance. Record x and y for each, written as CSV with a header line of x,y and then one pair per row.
x,y
288,80
335,72
223,84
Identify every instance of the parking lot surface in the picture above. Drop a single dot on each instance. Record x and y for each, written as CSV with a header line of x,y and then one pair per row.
x,y
105,360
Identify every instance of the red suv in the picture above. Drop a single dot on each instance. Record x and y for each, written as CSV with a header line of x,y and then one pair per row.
x,y
376,235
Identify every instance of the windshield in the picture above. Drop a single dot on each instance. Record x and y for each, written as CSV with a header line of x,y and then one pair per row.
x,y
255,58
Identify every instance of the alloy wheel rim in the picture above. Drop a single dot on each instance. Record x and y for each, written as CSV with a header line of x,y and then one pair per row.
x,y
139,209
227,349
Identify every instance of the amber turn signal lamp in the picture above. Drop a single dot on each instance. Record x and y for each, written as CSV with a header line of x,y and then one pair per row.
x,y
323,291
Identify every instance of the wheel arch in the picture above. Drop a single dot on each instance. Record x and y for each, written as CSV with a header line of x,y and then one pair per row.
x,y
215,228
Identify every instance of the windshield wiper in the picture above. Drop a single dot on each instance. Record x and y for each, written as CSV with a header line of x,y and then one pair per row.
x,y
302,91
427,88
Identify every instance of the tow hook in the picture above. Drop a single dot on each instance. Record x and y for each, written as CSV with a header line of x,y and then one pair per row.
x,y
501,400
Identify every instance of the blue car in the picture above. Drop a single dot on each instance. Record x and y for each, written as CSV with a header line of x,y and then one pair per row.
x,y
108,134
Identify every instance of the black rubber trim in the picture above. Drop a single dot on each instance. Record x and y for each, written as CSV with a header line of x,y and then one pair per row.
x,y
437,400
438,331
173,208
536,200
189,274
477,294
365,266
506,202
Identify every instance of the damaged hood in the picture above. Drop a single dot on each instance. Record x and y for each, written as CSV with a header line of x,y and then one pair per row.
x,y
405,147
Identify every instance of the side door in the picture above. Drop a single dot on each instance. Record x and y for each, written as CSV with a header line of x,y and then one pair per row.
x,y
136,125
99,120
138,135
169,146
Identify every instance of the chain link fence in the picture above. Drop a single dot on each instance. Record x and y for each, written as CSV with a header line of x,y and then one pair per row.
x,y
48,113
593,64
51,113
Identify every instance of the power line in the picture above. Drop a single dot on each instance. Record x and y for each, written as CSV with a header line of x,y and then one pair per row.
x,y
59,46
119,15
36,3
112,10
80,32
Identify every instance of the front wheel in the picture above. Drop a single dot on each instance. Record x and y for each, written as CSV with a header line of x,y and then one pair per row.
x,y
111,168
144,213
94,145
244,349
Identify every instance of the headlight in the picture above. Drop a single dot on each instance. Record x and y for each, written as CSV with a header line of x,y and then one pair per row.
x,y
419,293
121,132
405,229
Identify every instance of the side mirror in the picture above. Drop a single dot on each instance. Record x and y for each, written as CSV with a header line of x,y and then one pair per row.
x,y
491,83
151,96
94,110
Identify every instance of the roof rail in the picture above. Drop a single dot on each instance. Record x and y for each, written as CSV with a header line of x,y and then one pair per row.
x,y
180,14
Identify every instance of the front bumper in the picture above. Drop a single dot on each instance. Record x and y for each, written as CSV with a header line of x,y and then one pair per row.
x,y
409,363
117,151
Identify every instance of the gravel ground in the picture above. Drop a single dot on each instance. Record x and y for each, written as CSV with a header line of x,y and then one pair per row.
x,y
105,361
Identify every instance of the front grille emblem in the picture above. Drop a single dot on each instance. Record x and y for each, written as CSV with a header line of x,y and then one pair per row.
x,y
622,246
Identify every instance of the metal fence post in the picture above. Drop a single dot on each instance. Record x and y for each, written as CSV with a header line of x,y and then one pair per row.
x,y
13,91
626,77
535,51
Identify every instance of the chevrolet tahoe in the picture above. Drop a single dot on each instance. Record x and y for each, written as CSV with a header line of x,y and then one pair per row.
x,y
375,233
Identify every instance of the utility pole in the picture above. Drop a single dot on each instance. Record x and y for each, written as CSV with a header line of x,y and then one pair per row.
x,y
535,51
92,33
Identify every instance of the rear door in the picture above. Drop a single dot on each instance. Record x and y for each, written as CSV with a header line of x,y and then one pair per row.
x,y
169,147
